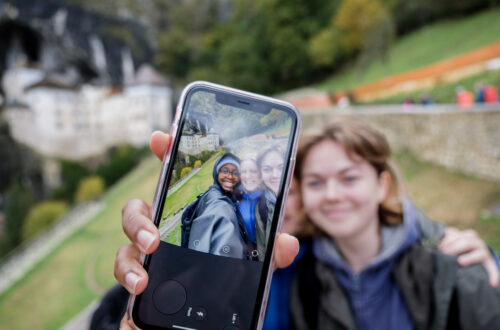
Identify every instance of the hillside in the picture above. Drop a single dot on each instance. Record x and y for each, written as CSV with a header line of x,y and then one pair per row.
x,y
423,47
81,269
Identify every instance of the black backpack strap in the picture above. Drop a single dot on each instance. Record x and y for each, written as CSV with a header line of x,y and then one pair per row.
x,y
263,211
187,220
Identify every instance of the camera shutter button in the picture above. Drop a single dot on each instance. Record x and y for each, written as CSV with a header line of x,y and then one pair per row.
x,y
169,297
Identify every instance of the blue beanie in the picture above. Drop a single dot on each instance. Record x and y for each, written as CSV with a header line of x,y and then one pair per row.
x,y
228,159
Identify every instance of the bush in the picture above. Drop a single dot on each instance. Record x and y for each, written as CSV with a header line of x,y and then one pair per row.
x,y
185,171
89,188
121,160
356,19
197,163
41,217
18,201
71,174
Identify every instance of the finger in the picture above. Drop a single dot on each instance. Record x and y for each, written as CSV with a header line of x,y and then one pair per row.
x,y
127,324
287,247
138,226
129,271
489,264
473,257
492,270
462,246
456,242
159,143
450,235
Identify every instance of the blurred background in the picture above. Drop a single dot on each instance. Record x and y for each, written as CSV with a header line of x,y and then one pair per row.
x,y
85,83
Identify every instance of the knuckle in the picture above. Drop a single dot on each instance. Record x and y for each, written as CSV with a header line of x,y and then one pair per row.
x,y
127,206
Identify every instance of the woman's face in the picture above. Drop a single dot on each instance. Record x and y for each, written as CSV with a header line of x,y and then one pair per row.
x,y
250,176
341,195
272,166
228,177
293,219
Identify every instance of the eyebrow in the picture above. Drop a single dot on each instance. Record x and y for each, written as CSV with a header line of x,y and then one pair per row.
x,y
342,171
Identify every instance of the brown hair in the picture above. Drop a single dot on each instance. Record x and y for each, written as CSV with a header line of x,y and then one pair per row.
x,y
360,140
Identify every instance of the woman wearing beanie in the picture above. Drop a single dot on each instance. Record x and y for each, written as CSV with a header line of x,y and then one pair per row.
x,y
212,223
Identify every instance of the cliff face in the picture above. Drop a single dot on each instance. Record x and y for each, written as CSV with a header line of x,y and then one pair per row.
x,y
70,41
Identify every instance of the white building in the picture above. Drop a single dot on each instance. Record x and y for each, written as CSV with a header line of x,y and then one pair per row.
x,y
197,143
81,122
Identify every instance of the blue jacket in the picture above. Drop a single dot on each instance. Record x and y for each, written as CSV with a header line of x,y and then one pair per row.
x,y
246,206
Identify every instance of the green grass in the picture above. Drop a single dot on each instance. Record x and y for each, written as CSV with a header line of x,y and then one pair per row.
x,y
57,288
426,46
197,184
452,197
187,193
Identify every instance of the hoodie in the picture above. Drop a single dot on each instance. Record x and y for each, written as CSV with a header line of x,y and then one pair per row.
x,y
215,225
375,299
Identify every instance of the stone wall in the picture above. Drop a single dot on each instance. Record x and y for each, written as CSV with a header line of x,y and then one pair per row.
x,y
467,140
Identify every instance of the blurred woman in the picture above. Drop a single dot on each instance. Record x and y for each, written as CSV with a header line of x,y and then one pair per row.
x,y
373,262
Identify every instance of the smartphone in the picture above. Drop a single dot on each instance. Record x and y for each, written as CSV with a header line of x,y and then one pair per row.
x,y
218,207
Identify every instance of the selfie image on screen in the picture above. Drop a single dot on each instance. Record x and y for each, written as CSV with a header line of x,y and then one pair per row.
x,y
227,174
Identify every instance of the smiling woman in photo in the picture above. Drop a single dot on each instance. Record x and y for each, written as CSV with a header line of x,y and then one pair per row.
x,y
270,163
212,223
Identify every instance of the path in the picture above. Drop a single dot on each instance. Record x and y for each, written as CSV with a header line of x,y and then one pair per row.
x,y
25,257
171,223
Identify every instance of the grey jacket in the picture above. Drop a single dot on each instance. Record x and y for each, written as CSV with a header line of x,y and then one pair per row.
x,y
439,294
216,226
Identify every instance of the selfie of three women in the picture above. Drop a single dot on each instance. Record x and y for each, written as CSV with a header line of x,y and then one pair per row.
x,y
233,217
226,176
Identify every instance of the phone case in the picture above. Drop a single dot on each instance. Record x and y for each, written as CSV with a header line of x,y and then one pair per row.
x,y
161,189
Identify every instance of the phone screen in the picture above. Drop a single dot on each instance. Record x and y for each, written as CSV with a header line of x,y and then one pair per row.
x,y
219,215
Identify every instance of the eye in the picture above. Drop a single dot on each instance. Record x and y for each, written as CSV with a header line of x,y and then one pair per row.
x,y
266,169
315,184
350,179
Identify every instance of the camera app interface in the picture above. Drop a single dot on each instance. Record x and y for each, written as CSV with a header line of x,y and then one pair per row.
x,y
227,174
217,217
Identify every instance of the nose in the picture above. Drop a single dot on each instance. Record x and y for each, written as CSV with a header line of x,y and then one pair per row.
x,y
276,172
333,190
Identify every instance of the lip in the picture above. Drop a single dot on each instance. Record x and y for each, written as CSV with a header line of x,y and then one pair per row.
x,y
227,184
335,213
250,182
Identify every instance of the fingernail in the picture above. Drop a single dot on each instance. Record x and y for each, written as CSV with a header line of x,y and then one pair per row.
x,y
145,239
131,280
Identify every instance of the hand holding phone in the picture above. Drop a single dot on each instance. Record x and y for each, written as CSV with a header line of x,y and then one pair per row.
x,y
212,250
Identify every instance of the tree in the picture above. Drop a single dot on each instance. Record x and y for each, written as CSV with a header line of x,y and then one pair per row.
x,y
275,117
175,53
71,174
17,205
324,47
185,171
197,163
89,188
42,216
356,19
121,160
